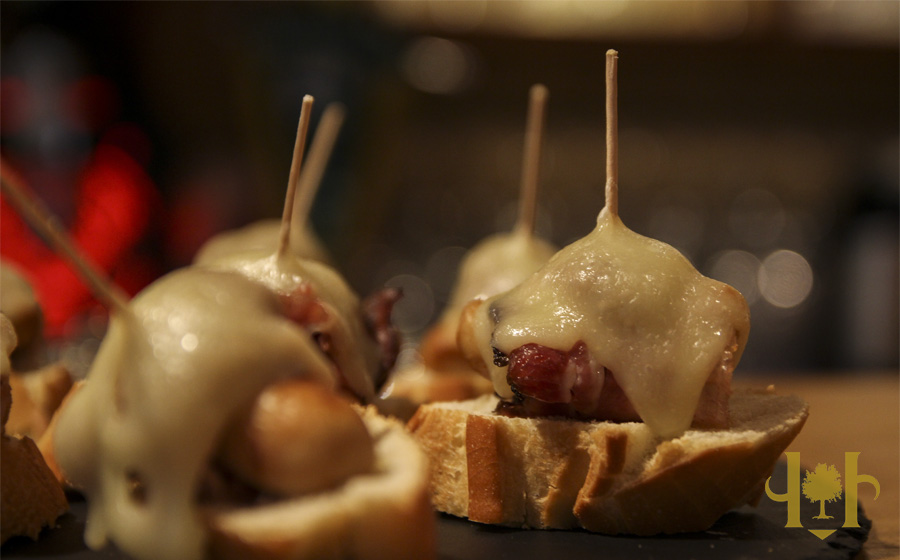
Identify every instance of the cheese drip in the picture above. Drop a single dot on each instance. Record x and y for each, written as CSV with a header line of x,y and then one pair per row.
x,y
194,351
644,312
357,355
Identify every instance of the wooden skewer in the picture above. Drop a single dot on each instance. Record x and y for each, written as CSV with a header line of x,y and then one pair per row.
x,y
612,133
49,227
531,162
319,153
284,236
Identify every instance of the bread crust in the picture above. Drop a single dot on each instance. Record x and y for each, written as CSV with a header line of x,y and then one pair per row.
x,y
37,394
604,477
45,442
30,496
386,514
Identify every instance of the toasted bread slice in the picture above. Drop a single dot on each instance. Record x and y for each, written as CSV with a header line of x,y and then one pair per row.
x,y
37,395
604,477
30,496
386,514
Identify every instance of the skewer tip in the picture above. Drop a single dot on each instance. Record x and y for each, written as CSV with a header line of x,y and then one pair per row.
x,y
539,92
534,132
296,164
612,133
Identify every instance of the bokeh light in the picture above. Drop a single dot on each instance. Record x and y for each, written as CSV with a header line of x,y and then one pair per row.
x,y
785,278
740,269
436,65
415,309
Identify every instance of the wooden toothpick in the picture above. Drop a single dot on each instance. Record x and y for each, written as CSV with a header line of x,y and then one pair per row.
x,y
53,233
612,133
531,161
319,153
284,236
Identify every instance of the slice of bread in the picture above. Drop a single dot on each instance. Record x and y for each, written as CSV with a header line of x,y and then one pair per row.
x,y
30,496
601,476
37,395
386,514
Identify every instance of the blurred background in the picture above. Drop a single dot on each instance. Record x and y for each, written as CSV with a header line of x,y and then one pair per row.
x,y
761,138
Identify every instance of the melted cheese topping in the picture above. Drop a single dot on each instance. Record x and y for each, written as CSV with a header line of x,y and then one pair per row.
x,y
643,310
194,351
356,354
261,236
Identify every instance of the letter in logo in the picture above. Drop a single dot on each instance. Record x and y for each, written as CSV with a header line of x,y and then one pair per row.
x,y
792,495
851,471
822,485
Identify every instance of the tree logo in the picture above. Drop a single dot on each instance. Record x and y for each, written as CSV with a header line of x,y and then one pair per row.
x,y
822,485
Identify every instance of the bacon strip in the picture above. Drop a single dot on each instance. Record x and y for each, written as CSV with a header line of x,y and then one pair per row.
x,y
304,308
550,382
377,308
